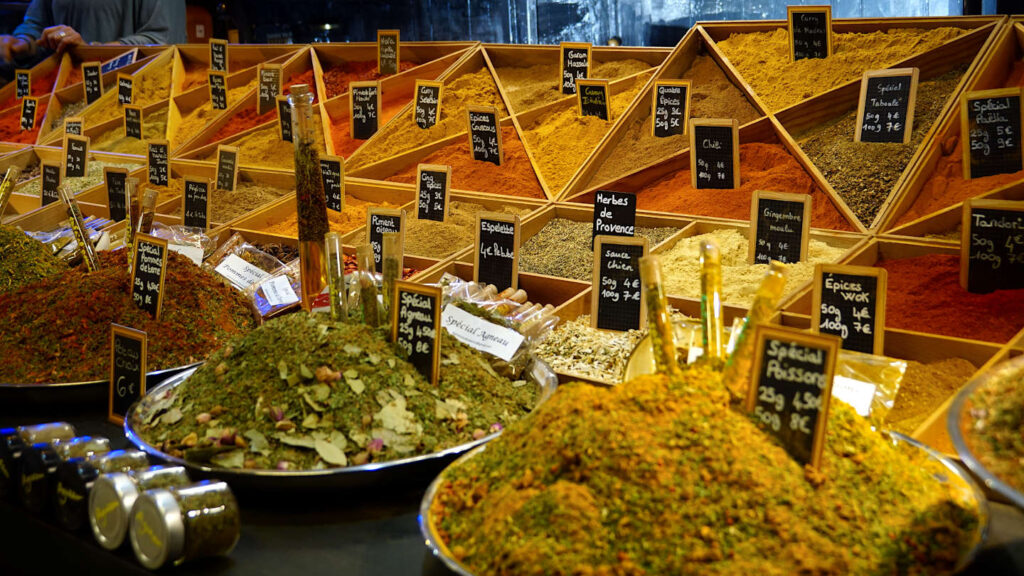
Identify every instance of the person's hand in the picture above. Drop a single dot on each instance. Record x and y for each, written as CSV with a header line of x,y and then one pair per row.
x,y
60,37
13,46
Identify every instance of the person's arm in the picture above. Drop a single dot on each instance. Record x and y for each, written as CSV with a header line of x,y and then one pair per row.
x,y
37,18
151,24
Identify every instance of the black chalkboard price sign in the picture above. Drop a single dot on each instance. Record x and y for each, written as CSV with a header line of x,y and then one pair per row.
x,y
364,107
885,111
197,199
284,118
416,325
218,90
614,214
379,221
22,83
227,167
388,51
128,355
849,302
269,77
714,154
497,250
92,80
125,89
74,125
792,386
990,121
592,98
51,183
484,134
218,55
159,171
779,227
332,172
432,192
670,107
992,245
617,300
29,107
810,31
574,64
116,180
428,103
133,122
76,156
150,260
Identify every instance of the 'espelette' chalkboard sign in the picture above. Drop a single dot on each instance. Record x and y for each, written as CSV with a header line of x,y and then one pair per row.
x,y
76,156
614,214
133,122
792,386
379,221
415,326
432,192
885,111
92,80
992,246
428,103
497,250
51,183
269,77
810,31
714,154
670,107
574,64
29,107
388,52
849,302
117,192
218,90
150,259
218,55
332,172
484,134
159,172
128,355
197,200
125,89
364,107
617,302
779,226
990,121
592,98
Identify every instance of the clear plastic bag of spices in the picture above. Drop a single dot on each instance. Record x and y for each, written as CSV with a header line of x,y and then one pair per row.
x,y
75,479
14,441
113,496
175,525
39,465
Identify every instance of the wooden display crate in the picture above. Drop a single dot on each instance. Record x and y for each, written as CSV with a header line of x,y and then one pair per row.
x,y
97,130
184,104
540,289
240,57
43,68
12,147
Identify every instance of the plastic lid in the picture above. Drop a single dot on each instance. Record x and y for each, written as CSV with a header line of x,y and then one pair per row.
x,y
110,500
158,531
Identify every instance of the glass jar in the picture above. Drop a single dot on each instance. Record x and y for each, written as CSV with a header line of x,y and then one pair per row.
x,y
39,465
12,446
175,525
75,479
113,495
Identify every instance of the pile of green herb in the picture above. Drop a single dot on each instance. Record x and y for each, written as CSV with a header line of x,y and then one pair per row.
x,y
302,392
994,427
660,476
24,260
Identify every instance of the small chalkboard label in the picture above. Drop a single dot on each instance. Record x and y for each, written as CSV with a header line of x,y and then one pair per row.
x,y
849,302
791,387
432,188
387,52
218,55
150,259
614,214
116,180
574,63
29,106
592,98
497,250
74,125
484,134
125,89
364,105
428,103
76,156
670,107
92,80
992,246
415,327
284,118
227,167
218,90
120,62
617,302
159,171
127,371
22,83
51,183
269,76
197,198
991,121
779,226
885,112
810,31
332,172
133,122
714,154
379,221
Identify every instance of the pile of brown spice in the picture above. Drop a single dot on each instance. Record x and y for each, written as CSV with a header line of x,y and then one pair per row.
x,y
532,86
925,386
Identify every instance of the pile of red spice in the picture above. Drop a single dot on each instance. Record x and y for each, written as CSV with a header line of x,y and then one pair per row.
x,y
337,77
341,130
41,86
58,330
248,118
10,124
924,295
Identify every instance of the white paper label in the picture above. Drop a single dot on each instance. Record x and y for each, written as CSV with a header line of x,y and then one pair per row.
x,y
193,253
855,393
240,273
278,291
481,334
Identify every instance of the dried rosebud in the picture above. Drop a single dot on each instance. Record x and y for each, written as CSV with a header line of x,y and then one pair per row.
x,y
227,438
190,440
283,465
375,445
479,433
220,369
217,410
360,458
496,427
203,418
325,374
249,464
276,414
285,425
240,442
367,419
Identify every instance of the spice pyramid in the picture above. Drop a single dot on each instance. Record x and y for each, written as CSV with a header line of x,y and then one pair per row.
x,y
10,123
192,63
150,84
192,112
110,136
44,80
340,64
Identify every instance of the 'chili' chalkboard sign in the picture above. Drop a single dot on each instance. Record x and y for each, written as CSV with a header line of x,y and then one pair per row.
x,y
497,250
990,121
227,167
849,302
197,200
415,327
51,183
150,259
379,221
284,118
159,171
116,180
428,103
574,64
269,76
388,52
779,226
92,80
810,31
74,125
617,302
22,83
670,107
432,192
592,98
885,111
218,55
364,106
484,134
614,214
714,154
76,156
29,106
218,90
332,172
128,355
125,89
992,246
792,386
133,122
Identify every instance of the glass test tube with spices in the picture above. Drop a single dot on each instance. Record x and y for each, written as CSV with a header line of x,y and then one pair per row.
x,y
7,187
311,203
77,223
367,285
336,276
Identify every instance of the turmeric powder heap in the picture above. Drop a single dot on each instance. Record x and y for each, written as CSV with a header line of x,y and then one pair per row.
x,y
531,86
149,86
265,149
763,60
154,127
352,216
660,476
194,121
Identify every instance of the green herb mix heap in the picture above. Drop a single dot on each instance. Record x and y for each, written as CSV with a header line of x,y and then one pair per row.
x,y
994,427
24,260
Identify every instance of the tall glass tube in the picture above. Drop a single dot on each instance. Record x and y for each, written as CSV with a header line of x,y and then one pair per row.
x,y
711,299
148,210
367,285
77,223
7,187
659,322
336,276
737,367
391,254
311,203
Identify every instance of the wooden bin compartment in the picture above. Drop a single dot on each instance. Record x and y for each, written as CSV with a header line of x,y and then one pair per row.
x,y
192,63
49,70
540,289
117,124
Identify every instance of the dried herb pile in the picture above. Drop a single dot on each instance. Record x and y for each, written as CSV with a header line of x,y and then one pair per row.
x,y
994,427
303,392
24,260
660,476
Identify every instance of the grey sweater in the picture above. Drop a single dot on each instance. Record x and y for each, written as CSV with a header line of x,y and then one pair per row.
x,y
124,21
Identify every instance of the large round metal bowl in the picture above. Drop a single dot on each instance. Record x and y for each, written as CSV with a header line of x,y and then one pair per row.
x,y
958,421
416,470
962,488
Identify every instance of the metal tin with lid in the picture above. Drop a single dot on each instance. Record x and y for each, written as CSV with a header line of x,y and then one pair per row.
x,y
13,442
113,495
75,478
